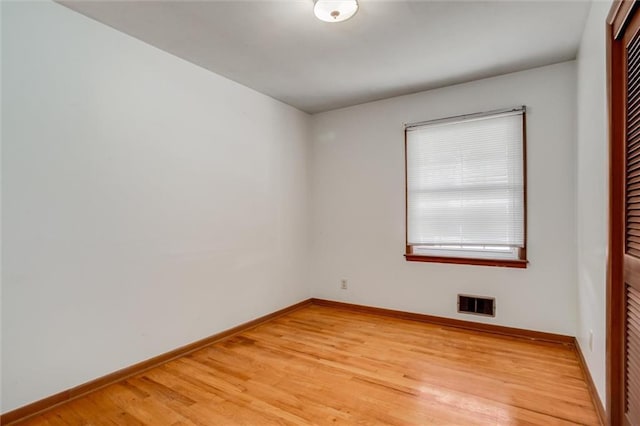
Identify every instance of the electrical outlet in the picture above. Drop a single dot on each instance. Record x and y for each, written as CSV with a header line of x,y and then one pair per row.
x,y
343,284
591,340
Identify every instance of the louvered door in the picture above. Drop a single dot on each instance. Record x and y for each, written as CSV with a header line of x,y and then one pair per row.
x,y
631,314
624,262
632,356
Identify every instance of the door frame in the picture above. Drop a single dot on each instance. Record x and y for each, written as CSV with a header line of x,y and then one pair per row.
x,y
619,17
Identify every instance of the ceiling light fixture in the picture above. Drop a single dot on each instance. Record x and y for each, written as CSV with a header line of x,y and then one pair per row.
x,y
335,10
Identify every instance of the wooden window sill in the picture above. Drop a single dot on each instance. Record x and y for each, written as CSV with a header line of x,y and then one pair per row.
x,y
505,263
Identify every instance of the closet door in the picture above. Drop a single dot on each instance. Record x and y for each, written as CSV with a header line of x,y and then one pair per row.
x,y
624,279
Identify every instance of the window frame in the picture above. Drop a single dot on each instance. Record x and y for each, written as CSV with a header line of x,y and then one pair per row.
x,y
521,261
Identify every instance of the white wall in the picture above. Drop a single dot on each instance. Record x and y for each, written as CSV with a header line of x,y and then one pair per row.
x,y
128,215
358,205
147,202
592,192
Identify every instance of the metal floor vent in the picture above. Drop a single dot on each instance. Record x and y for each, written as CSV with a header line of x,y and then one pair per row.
x,y
477,305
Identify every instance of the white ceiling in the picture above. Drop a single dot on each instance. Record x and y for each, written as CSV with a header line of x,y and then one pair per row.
x,y
388,48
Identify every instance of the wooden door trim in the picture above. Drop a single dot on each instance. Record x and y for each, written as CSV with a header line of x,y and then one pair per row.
x,y
619,17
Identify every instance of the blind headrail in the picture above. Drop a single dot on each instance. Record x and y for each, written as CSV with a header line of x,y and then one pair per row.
x,y
463,117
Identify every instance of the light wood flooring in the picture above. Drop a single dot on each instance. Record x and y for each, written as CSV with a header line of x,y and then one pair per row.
x,y
322,365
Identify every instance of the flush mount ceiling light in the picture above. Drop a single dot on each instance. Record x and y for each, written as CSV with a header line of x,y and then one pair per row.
x,y
335,10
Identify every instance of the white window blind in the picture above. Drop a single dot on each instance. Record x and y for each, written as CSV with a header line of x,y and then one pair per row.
x,y
465,183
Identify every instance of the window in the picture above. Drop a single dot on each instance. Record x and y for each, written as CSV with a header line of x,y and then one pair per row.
x,y
466,189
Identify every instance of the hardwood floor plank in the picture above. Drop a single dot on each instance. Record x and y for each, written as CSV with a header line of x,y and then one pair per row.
x,y
324,365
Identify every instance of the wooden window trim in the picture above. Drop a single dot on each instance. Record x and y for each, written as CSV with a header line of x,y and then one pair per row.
x,y
522,262
507,263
